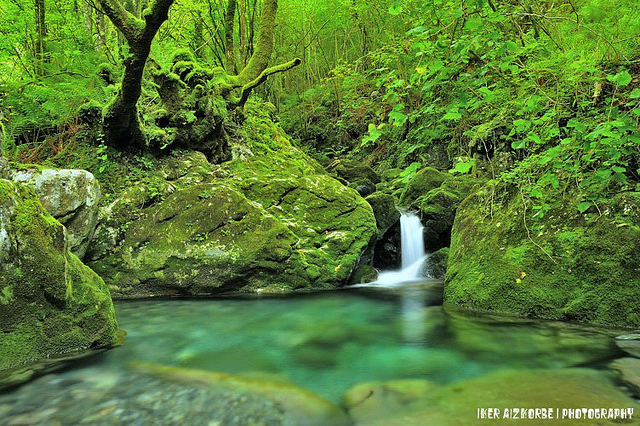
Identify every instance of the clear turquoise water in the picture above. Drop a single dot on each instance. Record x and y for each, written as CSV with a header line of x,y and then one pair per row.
x,y
329,342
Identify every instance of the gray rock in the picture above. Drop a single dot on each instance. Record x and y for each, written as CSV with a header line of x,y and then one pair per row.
x,y
630,343
70,196
629,369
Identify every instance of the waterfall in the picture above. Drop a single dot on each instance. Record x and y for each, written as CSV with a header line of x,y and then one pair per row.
x,y
411,242
412,252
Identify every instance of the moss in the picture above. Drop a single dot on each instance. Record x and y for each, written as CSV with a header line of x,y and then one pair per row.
x,y
269,220
6,295
52,303
6,191
569,268
182,55
423,182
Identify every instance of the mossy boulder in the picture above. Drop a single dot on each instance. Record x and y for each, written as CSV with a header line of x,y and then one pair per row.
x,y
353,171
436,264
437,209
564,265
51,305
384,209
269,220
424,181
71,197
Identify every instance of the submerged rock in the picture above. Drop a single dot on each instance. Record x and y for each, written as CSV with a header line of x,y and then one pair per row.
x,y
50,303
629,369
269,220
630,343
71,197
412,402
298,406
563,265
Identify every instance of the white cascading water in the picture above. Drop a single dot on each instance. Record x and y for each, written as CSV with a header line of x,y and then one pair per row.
x,y
412,251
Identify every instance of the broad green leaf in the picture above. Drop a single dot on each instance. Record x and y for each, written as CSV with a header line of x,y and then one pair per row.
x,y
582,207
576,125
463,167
635,94
521,125
408,173
487,94
512,46
374,135
536,192
535,138
620,79
496,17
396,116
519,144
452,114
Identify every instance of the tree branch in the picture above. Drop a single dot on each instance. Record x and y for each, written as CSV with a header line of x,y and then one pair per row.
x,y
247,88
120,17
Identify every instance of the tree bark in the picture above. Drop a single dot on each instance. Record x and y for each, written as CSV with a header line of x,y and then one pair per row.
x,y
41,35
229,47
121,123
247,88
264,44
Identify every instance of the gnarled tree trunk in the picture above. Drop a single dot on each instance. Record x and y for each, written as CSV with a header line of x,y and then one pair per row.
x,y
121,123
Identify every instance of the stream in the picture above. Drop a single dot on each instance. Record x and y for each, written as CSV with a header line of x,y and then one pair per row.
x,y
324,342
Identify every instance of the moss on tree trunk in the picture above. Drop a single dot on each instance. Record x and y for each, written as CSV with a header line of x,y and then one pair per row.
x,y
121,123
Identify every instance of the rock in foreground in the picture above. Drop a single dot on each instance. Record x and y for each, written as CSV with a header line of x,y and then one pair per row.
x,y
51,305
298,406
411,402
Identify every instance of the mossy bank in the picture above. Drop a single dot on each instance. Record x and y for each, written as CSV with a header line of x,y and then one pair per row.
x,y
564,265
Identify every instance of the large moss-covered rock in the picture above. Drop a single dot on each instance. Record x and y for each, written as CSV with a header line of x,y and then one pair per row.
x,y
564,265
71,197
50,303
268,220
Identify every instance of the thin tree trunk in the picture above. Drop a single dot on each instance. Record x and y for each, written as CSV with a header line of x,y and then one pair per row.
x,y
198,36
229,48
242,34
41,35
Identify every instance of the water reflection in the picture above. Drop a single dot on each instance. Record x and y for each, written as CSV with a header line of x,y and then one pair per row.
x,y
325,342
414,315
